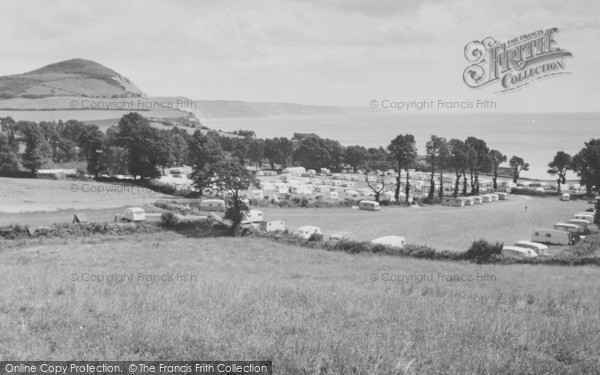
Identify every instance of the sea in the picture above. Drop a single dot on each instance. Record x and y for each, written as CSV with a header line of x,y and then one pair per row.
x,y
534,137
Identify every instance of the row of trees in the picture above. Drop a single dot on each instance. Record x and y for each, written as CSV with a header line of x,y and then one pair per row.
x,y
134,147
466,159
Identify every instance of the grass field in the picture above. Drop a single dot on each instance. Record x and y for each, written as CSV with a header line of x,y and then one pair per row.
x,y
444,228
310,311
27,195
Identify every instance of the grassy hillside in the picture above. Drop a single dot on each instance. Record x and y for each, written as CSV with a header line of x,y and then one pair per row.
x,y
76,77
310,311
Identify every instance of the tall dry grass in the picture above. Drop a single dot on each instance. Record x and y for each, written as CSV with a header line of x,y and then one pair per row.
x,y
310,311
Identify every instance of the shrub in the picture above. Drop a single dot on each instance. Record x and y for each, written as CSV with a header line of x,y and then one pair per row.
x,y
169,220
482,251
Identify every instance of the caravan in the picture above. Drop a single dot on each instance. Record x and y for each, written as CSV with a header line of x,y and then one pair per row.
x,y
587,216
568,227
369,205
519,251
253,216
553,237
212,205
539,248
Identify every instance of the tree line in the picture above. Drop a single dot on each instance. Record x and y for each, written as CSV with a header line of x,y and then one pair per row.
x,y
135,147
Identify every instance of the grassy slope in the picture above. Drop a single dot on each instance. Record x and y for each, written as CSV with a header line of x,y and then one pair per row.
x,y
305,309
21,194
444,228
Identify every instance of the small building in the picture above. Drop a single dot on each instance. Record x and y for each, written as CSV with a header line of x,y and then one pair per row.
x,y
213,205
307,231
135,214
391,241
369,205
271,226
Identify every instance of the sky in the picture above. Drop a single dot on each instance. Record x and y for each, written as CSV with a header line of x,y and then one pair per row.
x,y
327,52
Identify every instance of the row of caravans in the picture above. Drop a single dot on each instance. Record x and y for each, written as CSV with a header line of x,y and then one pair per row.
x,y
565,233
471,201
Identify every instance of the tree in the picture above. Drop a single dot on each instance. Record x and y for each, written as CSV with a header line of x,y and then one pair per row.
x,y
404,153
180,149
496,158
9,127
240,150
377,181
9,161
478,160
145,150
314,152
256,151
204,150
113,160
355,156
34,139
378,159
459,160
432,148
586,163
518,165
162,146
91,141
230,178
443,162
559,166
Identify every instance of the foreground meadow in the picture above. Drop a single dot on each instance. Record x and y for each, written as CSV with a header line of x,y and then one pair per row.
x,y
310,311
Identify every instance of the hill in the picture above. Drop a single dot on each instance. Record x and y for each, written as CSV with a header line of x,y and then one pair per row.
x,y
75,77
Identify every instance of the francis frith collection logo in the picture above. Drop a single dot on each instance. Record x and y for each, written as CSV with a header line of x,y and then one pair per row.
x,y
516,62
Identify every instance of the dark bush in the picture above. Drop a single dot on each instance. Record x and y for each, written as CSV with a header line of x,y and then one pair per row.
x,y
482,251
169,220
